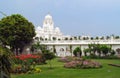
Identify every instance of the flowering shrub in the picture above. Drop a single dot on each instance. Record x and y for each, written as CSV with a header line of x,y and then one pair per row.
x,y
82,63
24,57
26,63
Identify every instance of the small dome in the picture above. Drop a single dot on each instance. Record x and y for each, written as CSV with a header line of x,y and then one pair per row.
x,y
48,16
38,28
57,29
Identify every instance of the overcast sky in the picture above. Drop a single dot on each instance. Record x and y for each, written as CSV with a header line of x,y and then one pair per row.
x,y
74,17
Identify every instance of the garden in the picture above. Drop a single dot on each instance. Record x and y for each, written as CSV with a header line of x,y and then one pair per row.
x,y
58,71
17,32
46,65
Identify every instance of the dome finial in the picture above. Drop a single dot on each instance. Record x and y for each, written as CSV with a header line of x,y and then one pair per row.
x,y
48,16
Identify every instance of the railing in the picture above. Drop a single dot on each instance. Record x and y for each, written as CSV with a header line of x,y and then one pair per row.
x,y
115,41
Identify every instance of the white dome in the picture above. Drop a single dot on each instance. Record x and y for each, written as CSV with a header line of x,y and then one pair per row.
x,y
57,29
38,28
48,16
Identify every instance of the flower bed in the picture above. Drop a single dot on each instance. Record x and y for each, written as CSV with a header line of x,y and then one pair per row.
x,y
75,62
82,64
26,64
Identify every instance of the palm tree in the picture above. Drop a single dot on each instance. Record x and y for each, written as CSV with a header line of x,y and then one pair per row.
x,y
6,61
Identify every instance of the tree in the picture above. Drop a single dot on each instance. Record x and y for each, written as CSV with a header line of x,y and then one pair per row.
x,y
16,31
49,56
86,50
36,47
6,59
77,52
105,49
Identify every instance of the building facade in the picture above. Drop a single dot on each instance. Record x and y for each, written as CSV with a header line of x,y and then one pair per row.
x,y
52,37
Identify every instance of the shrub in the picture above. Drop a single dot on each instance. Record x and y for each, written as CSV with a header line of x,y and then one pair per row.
x,y
82,64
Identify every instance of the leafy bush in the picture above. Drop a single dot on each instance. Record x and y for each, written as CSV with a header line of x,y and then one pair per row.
x,y
77,52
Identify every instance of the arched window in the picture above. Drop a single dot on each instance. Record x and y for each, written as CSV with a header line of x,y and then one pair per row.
x,y
61,49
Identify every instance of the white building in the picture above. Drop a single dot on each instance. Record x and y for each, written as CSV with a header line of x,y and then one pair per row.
x,y
48,30
63,43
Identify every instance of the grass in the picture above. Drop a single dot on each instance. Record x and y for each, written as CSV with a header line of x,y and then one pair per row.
x,y
59,71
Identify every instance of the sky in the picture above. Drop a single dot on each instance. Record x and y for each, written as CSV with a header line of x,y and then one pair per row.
x,y
73,17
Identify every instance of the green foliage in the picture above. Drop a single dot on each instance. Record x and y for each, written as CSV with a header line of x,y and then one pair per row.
x,y
49,55
105,49
86,51
100,48
16,31
36,46
6,61
77,51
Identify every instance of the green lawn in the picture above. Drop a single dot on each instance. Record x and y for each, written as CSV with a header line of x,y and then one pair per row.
x,y
59,71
